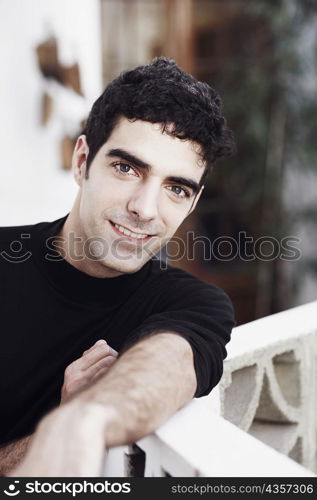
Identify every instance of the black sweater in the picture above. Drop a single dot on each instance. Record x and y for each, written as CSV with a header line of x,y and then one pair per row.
x,y
51,312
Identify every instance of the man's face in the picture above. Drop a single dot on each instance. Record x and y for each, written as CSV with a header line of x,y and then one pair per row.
x,y
141,185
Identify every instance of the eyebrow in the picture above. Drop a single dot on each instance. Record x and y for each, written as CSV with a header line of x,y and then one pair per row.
x,y
129,157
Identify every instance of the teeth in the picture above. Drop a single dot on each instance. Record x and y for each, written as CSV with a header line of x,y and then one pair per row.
x,y
129,233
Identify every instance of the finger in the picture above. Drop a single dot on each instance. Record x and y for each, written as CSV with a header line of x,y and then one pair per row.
x,y
102,343
101,372
93,357
79,378
97,343
112,352
104,363
97,351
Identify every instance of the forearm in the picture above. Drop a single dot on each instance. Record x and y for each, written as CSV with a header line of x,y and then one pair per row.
x,y
12,454
147,384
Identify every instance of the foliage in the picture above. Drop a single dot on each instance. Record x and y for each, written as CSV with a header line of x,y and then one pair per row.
x,y
275,68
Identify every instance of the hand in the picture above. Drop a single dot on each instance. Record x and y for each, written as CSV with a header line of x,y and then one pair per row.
x,y
94,362
68,442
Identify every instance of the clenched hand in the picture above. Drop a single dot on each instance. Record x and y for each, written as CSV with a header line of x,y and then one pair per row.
x,y
94,362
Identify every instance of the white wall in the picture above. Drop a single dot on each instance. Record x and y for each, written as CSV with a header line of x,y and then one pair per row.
x,y
33,187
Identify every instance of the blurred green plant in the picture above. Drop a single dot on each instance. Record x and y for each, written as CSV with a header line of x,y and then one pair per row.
x,y
268,85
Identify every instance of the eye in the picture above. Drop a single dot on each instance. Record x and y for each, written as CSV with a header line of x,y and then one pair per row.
x,y
179,191
124,169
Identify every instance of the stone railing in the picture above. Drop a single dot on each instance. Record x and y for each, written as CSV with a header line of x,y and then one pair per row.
x,y
260,420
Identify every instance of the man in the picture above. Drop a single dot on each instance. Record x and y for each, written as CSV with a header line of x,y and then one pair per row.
x,y
89,285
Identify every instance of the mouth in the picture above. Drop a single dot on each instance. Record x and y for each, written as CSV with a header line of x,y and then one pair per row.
x,y
127,233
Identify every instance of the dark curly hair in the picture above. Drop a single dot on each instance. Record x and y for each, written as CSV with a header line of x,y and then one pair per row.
x,y
161,92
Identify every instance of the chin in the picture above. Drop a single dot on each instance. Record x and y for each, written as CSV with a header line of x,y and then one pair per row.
x,y
125,267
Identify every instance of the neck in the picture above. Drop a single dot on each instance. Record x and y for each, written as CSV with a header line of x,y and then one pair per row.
x,y
74,251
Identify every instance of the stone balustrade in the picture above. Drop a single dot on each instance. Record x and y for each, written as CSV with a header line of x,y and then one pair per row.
x,y
260,420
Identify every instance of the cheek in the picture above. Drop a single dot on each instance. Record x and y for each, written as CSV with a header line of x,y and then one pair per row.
x,y
173,218
110,188
105,192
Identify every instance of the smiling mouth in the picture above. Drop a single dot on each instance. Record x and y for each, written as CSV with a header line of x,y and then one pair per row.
x,y
124,231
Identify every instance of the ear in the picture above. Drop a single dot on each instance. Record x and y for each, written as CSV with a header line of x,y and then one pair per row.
x,y
198,195
79,159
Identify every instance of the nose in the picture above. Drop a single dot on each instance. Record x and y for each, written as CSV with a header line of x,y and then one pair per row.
x,y
143,203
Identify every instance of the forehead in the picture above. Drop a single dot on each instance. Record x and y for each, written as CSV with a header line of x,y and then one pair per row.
x,y
166,154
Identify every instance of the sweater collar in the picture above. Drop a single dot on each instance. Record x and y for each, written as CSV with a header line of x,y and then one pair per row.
x,y
76,284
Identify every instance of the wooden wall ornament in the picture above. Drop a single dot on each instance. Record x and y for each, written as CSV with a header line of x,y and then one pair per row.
x,y
47,57
67,148
50,67
66,75
70,77
47,108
